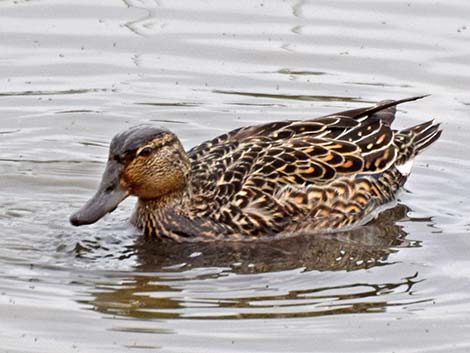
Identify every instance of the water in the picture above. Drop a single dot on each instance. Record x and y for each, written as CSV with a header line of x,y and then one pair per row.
x,y
73,74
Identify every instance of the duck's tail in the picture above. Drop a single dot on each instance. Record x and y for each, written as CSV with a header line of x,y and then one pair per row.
x,y
422,135
413,141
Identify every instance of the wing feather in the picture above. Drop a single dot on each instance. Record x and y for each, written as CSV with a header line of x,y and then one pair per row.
x,y
333,169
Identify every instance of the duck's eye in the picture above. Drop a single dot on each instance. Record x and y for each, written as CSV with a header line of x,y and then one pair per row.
x,y
145,152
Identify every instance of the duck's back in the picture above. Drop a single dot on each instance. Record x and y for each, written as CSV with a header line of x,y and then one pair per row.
x,y
311,175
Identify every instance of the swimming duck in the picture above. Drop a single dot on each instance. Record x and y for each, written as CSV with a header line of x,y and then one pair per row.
x,y
270,180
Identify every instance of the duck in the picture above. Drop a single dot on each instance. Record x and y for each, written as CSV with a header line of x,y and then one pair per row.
x,y
272,180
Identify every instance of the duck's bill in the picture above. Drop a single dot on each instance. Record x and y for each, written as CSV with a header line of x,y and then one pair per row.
x,y
106,199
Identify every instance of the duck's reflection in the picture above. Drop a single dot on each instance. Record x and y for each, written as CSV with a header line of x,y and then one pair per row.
x,y
162,286
361,248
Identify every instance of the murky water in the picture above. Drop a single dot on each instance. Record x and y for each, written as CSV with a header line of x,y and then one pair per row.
x,y
73,74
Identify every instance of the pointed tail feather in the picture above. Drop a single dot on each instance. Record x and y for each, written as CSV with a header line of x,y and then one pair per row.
x,y
383,110
390,103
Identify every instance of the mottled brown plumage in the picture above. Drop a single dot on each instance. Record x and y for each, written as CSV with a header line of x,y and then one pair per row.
x,y
270,180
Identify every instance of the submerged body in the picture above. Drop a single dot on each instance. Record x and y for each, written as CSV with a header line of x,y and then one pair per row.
x,y
270,180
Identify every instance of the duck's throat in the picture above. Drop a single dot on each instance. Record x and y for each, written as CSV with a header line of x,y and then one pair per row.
x,y
149,213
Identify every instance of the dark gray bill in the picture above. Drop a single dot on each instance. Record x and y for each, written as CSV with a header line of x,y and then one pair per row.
x,y
106,199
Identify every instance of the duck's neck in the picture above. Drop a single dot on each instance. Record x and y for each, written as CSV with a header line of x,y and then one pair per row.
x,y
148,213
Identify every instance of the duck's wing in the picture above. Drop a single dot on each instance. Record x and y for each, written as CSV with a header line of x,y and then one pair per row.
x,y
344,165
364,133
357,122
285,152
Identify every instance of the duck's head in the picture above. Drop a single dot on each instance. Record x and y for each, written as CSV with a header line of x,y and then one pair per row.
x,y
144,161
